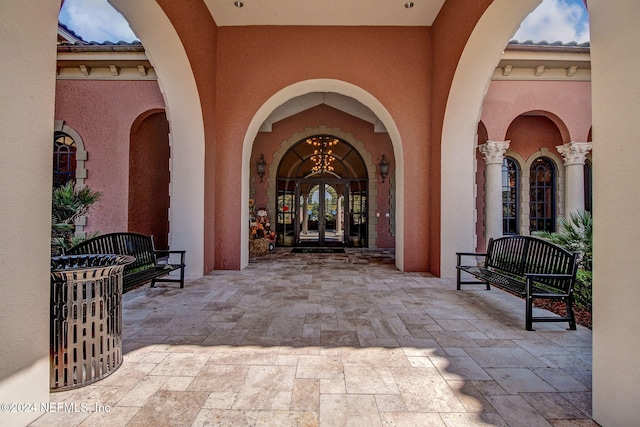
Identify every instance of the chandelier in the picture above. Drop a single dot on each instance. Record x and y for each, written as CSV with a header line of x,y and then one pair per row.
x,y
322,153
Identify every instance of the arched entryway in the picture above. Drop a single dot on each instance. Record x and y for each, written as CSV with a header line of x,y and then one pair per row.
x,y
322,194
149,177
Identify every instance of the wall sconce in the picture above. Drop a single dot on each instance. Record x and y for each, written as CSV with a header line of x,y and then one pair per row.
x,y
384,167
262,166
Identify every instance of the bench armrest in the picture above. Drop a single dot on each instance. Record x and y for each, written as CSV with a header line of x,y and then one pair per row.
x,y
459,255
160,252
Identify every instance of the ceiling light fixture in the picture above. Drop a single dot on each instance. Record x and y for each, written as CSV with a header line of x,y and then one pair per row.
x,y
238,4
408,5
322,155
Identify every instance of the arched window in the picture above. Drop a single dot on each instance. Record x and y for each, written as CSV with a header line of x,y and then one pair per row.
x,y
542,209
64,159
510,196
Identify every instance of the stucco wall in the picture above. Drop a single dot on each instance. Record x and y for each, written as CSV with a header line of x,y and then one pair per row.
x,y
103,112
255,62
569,101
149,178
615,61
26,122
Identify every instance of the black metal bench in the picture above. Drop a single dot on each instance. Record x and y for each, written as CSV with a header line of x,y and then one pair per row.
x,y
148,265
529,267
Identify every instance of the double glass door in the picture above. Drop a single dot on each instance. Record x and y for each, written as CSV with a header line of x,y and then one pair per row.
x,y
322,209
322,212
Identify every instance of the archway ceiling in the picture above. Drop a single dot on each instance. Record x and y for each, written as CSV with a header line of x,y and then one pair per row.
x,y
326,12
339,102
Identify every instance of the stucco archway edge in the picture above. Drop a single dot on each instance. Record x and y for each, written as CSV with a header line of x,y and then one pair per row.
x,y
178,86
334,86
468,88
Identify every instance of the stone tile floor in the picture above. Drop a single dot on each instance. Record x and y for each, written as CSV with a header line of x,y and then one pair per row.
x,y
335,340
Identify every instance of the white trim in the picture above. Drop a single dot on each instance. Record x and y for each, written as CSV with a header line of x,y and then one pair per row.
x,y
470,83
81,171
184,113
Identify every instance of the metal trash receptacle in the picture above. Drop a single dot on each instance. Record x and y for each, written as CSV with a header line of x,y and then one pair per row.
x,y
86,318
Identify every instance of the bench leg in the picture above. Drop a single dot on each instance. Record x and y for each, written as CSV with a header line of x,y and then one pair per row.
x,y
572,317
529,308
459,281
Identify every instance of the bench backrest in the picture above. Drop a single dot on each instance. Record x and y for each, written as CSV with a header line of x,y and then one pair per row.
x,y
518,255
133,244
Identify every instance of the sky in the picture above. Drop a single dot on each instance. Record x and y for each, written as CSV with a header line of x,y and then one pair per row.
x,y
553,20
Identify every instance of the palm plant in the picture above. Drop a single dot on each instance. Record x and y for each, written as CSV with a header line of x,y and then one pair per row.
x,y
69,202
575,235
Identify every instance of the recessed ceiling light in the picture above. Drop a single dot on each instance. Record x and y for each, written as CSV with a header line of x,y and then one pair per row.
x,y
238,4
408,5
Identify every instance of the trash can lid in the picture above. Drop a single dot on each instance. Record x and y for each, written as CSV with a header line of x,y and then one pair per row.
x,y
77,262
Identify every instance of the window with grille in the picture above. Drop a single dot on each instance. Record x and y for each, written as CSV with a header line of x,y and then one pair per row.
x,y
542,208
510,197
64,159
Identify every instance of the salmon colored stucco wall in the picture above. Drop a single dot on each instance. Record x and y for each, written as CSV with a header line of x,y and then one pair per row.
x,y
391,63
103,112
447,49
529,134
199,34
149,178
376,144
569,102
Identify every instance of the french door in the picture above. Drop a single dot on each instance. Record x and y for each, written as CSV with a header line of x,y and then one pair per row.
x,y
322,212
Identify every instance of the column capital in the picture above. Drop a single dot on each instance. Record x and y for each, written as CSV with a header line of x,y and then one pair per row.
x,y
494,151
574,153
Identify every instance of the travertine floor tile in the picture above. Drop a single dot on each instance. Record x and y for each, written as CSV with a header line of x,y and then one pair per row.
x,y
335,340
348,410
266,388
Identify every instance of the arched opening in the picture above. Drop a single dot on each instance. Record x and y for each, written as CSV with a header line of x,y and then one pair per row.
x,y
149,177
322,194
366,99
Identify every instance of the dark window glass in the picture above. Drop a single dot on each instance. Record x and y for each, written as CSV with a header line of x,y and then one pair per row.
x,y
510,211
588,195
542,196
64,159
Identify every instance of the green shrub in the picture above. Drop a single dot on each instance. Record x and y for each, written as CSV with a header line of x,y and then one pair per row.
x,y
582,289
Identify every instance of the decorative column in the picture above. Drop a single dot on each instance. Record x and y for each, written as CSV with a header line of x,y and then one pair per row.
x,y
574,155
493,156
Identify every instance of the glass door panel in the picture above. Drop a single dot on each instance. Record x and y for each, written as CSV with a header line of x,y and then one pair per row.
x,y
333,215
309,206
358,214
286,213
